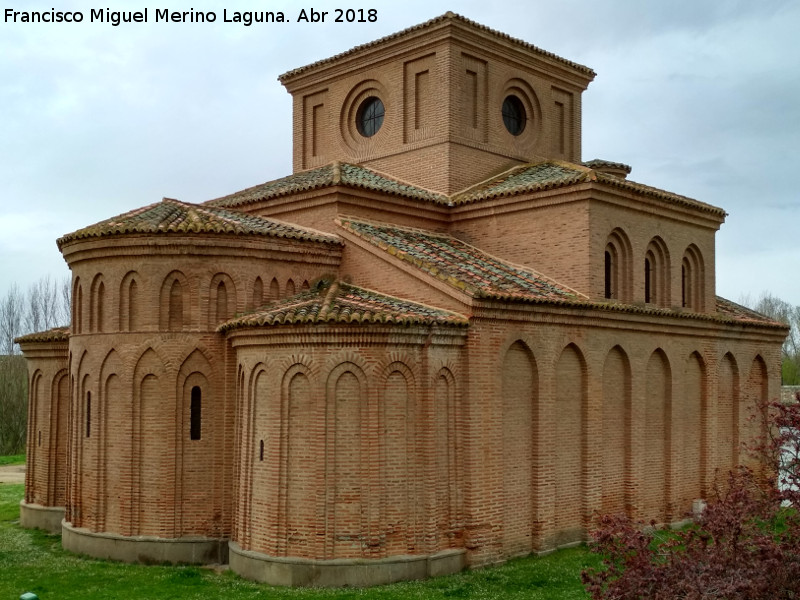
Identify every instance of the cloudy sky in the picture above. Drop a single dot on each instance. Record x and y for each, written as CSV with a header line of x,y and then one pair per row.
x,y
701,97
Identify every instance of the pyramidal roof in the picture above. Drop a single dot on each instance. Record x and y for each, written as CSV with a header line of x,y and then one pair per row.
x,y
445,19
340,302
174,216
335,173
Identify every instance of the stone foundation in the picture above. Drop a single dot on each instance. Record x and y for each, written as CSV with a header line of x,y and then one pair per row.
x,y
36,516
342,572
144,549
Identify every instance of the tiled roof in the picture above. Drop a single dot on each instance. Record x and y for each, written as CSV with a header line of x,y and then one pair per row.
x,y
556,174
462,266
173,216
336,173
736,312
56,334
599,163
448,16
339,302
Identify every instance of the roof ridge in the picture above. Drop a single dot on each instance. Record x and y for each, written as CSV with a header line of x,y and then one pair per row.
x,y
451,17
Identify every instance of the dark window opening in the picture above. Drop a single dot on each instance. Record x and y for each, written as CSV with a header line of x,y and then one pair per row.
x,y
609,291
683,285
514,115
261,451
195,413
369,117
40,437
88,414
647,270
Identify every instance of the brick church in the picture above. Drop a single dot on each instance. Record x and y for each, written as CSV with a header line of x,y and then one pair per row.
x,y
443,341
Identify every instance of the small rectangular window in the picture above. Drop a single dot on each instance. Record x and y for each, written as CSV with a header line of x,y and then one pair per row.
x,y
195,413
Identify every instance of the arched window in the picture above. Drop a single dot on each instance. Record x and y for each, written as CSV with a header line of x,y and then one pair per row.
x,y
692,278
617,267
657,273
195,413
290,288
274,290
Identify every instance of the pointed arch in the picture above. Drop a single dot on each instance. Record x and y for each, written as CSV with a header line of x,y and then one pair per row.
x,y
222,299
519,389
657,465
692,279
257,298
728,413
290,291
174,302
616,458
753,424
77,306
570,452
97,301
305,286
130,310
618,266
274,290
657,273
691,411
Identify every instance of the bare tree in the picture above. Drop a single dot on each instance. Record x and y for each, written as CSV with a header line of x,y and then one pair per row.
x,y
11,320
782,311
13,404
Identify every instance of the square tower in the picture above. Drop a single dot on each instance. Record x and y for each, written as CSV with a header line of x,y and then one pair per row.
x,y
442,105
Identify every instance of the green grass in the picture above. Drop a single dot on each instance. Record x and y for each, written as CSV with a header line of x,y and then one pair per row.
x,y
32,561
14,459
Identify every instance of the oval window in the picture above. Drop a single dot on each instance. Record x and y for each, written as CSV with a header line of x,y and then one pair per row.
x,y
514,115
369,117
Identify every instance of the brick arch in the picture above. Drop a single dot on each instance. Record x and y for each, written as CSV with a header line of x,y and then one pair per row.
x,y
618,266
617,480
520,399
693,279
274,289
154,433
175,311
345,357
399,421
571,400
59,434
77,306
752,415
257,298
727,438
36,457
691,408
98,304
657,276
656,478
347,456
222,299
131,293
302,462
290,289
115,434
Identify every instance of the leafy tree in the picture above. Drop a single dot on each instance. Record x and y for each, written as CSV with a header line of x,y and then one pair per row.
x,y
744,545
13,404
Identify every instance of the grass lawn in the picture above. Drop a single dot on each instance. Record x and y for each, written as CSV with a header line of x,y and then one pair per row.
x,y
32,561
14,459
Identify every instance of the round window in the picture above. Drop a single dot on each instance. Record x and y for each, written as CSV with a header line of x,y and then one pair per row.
x,y
514,115
369,117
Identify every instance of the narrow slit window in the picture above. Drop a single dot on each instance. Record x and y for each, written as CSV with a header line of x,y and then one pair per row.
x,y
647,270
261,451
88,414
608,291
195,411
